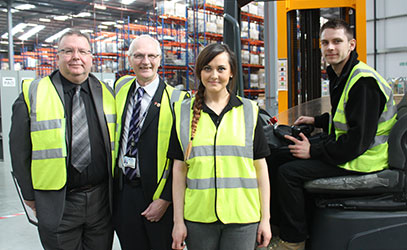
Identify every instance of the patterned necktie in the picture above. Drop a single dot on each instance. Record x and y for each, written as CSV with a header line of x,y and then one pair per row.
x,y
134,132
80,133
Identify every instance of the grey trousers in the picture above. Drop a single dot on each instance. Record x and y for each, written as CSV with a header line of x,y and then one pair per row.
x,y
85,225
219,236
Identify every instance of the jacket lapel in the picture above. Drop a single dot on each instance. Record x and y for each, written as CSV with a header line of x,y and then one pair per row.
x,y
97,97
126,105
154,108
56,80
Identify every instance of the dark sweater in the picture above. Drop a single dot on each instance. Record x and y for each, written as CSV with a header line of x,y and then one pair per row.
x,y
363,109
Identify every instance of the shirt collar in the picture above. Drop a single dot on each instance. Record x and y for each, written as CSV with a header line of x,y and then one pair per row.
x,y
150,88
68,85
234,101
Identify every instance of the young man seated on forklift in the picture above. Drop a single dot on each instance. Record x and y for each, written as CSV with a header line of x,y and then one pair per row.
x,y
363,113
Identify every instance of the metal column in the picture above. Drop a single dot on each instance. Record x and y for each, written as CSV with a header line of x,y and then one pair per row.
x,y
270,50
10,36
231,7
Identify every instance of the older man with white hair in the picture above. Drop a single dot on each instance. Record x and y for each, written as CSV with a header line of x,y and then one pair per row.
x,y
142,214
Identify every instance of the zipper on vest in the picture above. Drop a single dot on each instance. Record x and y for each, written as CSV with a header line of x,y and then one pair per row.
x,y
214,170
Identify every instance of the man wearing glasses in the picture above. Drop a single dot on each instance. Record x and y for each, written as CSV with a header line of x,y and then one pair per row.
x,y
142,214
61,149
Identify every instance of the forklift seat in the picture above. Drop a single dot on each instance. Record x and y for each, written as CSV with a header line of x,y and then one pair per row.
x,y
364,211
391,180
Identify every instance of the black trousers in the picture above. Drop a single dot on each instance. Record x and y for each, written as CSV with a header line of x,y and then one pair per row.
x,y
289,199
85,224
134,231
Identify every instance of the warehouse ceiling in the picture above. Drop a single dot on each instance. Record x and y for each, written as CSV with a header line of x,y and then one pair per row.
x,y
56,15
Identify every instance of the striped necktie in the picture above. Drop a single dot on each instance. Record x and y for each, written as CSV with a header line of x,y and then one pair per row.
x,y
80,133
134,132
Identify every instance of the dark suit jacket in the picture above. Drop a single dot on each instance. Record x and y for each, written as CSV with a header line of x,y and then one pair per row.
x,y
147,146
49,204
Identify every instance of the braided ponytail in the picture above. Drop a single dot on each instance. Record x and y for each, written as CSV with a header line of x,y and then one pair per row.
x,y
199,99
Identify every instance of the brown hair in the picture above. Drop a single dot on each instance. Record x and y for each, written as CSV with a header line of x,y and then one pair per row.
x,y
204,58
338,24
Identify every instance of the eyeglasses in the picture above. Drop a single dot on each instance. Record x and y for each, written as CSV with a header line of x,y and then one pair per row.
x,y
140,57
70,52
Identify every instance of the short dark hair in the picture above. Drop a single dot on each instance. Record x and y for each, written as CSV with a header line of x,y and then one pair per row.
x,y
75,32
210,52
338,24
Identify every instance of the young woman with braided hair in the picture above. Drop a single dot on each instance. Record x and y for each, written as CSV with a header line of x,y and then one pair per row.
x,y
221,190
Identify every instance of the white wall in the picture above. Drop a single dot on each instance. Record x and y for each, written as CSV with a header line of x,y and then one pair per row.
x,y
391,37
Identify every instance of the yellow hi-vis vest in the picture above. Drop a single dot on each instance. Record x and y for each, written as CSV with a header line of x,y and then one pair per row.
x,y
48,131
165,121
375,158
221,180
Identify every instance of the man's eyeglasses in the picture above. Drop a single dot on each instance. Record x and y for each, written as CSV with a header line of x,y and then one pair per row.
x,y
142,56
70,52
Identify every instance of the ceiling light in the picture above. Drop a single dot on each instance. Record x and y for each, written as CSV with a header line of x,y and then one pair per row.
x,y
18,28
108,23
31,32
83,14
25,7
127,2
99,6
61,18
56,36
120,21
86,31
119,26
45,20
3,42
102,27
12,10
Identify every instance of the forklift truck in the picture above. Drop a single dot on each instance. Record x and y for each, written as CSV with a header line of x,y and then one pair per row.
x,y
353,212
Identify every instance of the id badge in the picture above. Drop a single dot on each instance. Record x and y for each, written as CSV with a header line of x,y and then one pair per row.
x,y
129,162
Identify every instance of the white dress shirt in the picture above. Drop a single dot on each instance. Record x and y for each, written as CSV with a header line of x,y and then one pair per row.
x,y
150,90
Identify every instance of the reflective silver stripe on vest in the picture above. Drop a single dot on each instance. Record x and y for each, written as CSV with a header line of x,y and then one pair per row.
x,y
249,125
175,96
45,125
391,109
166,173
108,88
112,145
122,83
185,123
379,139
222,183
111,118
341,126
47,154
385,116
221,150
32,93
